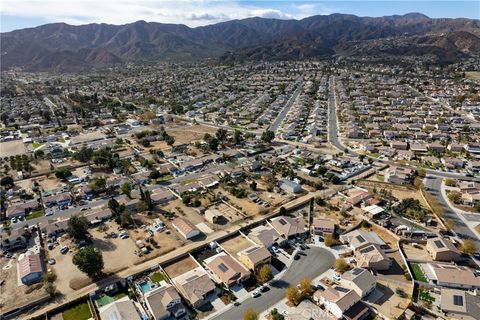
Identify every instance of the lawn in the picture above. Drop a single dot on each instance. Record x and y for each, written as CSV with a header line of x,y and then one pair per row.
x,y
36,145
164,178
425,296
157,277
79,312
106,299
35,214
417,273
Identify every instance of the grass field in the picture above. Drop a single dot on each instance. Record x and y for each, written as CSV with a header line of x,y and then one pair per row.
x,y
36,145
35,214
417,273
79,312
157,277
425,296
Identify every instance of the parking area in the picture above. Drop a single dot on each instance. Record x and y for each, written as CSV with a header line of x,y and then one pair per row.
x,y
236,244
180,267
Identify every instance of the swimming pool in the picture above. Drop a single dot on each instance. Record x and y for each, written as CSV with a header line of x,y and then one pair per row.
x,y
145,286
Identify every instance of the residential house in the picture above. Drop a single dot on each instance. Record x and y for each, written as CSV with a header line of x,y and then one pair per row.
x,y
163,302
451,276
255,257
226,269
371,256
186,228
290,186
195,285
358,238
161,196
288,227
360,280
266,236
399,175
441,249
323,226
14,240
460,304
121,309
338,300
21,209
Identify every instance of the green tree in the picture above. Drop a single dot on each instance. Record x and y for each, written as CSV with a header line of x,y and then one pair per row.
x,y
126,189
114,206
63,173
98,184
253,186
264,274
221,134
283,211
90,261
454,197
275,315
237,137
170,140
268,136
84,155
77,227
7,181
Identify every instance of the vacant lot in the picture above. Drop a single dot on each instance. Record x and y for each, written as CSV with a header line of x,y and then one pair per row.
x,y
415,253
392,304
236,244
248,207
229,213
473,75
12,148
180,267
88,136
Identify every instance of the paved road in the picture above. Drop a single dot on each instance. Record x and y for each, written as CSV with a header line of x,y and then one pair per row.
x,y
333,120
317,261
276,123
434,184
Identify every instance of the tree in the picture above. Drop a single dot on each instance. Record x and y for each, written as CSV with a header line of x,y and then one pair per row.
x,y
221,134
264,274
237,137
305,286
468,247
4,117
321,170
77,227
340,265
50,288
335,179
98,184
328,240
90,261
293,295
47,115
450,183
126,189
250,314
283,211
477,207
6,181
454,197
114,206
155,174
63,173
170,140
253,186
268,136
275,315
84,155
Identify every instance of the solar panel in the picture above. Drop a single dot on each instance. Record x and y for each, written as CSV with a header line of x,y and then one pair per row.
x,y
357,271
439,244
282,222
360,239
342,289
223,267
458,300
367,249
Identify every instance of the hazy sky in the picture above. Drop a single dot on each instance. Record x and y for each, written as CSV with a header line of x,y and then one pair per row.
x,y
17,14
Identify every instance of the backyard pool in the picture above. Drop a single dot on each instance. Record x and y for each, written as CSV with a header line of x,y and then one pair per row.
x,y
145,286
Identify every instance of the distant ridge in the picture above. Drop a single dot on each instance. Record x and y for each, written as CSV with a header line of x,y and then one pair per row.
x,y
63,47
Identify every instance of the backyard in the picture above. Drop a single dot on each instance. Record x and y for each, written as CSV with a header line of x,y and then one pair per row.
x,y
79,312
418,273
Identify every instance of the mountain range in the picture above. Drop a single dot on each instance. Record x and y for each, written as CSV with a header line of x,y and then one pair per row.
x,y
63,47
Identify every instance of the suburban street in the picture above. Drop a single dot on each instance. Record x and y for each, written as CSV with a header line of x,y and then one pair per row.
x,y
434,184
278,120
317,261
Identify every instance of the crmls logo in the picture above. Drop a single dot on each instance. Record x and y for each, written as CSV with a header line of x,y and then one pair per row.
x,y
311,313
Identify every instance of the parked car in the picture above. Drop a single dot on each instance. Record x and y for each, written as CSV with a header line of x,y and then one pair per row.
x,y
337,277
64,250
51,261
255,294
264,288
296,257
123,235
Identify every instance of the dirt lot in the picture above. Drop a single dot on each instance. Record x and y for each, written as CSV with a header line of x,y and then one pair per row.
x,y
12,148
391,304
249,208
180,267
88,136
236,244
181,210
229,213
416,253
49,183
12,295
187,133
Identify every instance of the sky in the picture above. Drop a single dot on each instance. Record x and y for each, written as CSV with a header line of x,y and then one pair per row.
x,y
18,14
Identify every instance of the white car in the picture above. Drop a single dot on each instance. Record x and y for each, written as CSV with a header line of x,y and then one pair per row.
x,y
49,213
337,277
255,294
123,235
